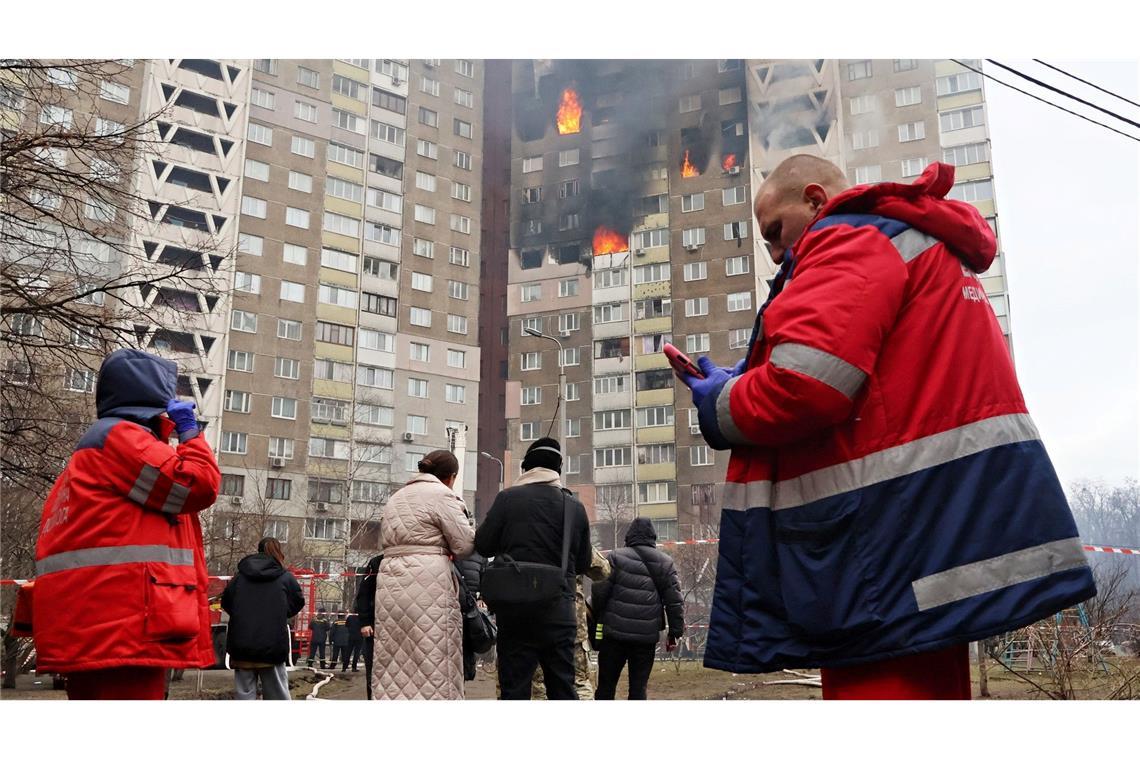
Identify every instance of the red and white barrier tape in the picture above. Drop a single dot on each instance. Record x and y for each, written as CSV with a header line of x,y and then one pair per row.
x,y
665,544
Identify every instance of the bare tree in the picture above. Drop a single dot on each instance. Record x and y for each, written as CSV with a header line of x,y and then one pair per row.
x,y
696,572
614,512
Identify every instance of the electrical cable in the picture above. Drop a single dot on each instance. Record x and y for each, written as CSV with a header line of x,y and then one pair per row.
x,y
1061,92
1043,100
1085,81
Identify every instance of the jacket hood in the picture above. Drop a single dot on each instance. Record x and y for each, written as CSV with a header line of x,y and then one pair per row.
x,y
260,567
641,533
924,206
135,384
539,475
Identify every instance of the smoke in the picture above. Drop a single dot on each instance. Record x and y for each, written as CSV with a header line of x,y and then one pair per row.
x,y
792,122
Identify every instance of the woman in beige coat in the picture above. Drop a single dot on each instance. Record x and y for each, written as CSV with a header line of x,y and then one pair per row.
x,y
419,629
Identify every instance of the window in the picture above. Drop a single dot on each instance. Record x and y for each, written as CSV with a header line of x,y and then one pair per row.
x,y
280,489
389,101
258,133
651,238
616,419
531,395
421,281
247,283
457,324
609,312
571,357
116,93
858,70
464,98
693,236
655,343
698,342
568,157
417,387
256,170
738,337
963,155
386,200
387,306
381,233
531,360
427,149
865,174
740,301
239,361
308,77
292,291
865,139
461,191
532,164
696,270
982,190
342,154
616,456
688,103
610,384
373,377
905,64
962,118
265,65
62,78
428,117
461,224
343,225
697,307
330,332
916,130
528,431
416,424
455,394
83,337
425,214
376,340
284,408
862,104
611,348
567,288
385,270
568,188
340,188
463,128
81,380
370,414
651,273
303,146
234,443
420,317
530,292
243,321
458,290
610,278
232,485
728,96
103,127
305,111
456,358
336,296
908,96
734,195
288,329
656,492
297,217
251,206
300,182
334,259
569,322
425,181
694,202
465,68
290,369
281,447
912,167
962,82
388,133
369,491
100,211
459,256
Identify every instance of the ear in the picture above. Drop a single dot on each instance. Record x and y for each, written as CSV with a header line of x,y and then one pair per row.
x,y
816,195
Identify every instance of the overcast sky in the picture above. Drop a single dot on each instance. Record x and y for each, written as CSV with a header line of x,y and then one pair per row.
x,y
1068,199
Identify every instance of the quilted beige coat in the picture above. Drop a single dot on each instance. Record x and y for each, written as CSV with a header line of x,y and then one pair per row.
x,y
419,629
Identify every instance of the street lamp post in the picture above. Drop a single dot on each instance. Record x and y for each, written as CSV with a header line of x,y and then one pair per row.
x,y
561,383
500,461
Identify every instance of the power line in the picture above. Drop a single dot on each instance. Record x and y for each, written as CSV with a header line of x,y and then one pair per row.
x,y
1084,81
1043,100
1061,92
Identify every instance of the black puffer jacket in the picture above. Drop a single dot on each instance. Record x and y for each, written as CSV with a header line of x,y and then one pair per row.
x,y
260,599
366,593
633,613
471,568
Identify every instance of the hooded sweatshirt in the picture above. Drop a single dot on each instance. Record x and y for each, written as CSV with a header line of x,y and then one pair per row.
x,y
260,599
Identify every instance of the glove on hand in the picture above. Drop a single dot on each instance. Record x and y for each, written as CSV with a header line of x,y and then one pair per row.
x,y
714,378
182,413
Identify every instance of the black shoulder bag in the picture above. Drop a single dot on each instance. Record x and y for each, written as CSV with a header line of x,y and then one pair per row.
x,y
516,588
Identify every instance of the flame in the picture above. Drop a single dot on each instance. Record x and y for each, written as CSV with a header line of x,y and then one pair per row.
x,y
687,169
569,113
729,161
608,241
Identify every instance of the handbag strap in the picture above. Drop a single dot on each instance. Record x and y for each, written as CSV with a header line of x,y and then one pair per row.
x,y
566,519
652,577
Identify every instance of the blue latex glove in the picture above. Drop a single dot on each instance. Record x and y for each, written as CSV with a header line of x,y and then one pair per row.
x,y
182,414
714,377
739,368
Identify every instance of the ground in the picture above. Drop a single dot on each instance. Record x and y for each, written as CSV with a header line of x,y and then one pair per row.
x,y
688,680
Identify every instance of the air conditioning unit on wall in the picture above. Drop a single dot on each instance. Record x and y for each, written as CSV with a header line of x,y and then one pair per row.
x,y
276,462
409,437
236,501
320,506
692,248
734,171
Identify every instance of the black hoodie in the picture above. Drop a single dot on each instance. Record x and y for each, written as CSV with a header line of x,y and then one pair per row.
x,y
260,599
634,611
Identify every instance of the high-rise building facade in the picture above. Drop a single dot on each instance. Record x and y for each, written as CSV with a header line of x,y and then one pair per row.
x,y
631,226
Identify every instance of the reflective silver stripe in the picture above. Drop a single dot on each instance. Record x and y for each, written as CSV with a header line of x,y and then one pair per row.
x,y
724,419
144,484
742,496
827,368
976,578
905,459
910,243
113,555
176,499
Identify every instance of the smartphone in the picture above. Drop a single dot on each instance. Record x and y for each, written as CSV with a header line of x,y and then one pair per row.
x,y
681,363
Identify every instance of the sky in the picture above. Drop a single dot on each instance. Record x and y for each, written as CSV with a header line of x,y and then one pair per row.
x,y
1068,199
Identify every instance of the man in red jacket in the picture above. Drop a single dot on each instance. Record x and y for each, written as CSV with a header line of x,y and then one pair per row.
x,y
120,593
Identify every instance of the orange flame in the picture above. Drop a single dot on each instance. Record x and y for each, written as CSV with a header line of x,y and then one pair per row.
x,y
609,241
687,169
729,161
569,113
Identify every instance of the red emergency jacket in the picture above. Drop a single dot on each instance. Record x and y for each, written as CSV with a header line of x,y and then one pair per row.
x,y
120,566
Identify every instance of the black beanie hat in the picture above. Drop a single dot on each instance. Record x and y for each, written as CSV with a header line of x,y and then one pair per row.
x,y
545,452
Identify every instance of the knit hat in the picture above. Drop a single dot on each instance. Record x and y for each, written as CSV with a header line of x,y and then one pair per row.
x,y
545,452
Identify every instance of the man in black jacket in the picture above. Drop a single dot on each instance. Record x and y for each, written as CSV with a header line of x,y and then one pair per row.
x,y
644,591
338,637
319,631
526,523
366,609
355,640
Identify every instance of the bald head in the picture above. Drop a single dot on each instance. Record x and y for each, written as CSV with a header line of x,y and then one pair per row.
x,y
791,196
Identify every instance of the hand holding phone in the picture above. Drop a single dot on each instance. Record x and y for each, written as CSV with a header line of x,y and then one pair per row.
x,y
681,363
